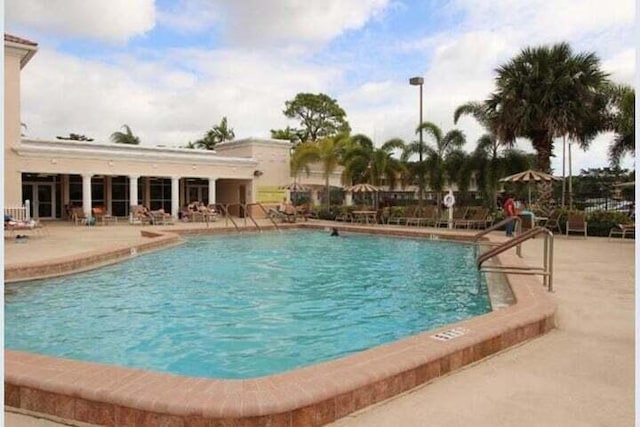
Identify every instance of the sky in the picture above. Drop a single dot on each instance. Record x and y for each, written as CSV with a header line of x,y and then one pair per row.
x,y
172,69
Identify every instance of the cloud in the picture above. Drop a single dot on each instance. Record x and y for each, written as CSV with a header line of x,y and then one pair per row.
x,y
258,22
188,16
111,21
163,104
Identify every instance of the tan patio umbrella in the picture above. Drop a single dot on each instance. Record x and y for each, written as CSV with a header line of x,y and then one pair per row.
x,y
294,186
528,176
364,188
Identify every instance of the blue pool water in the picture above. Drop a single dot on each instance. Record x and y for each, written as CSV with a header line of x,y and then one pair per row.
x,y
241,306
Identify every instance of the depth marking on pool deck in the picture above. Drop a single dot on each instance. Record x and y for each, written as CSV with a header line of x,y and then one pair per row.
x,y
450,334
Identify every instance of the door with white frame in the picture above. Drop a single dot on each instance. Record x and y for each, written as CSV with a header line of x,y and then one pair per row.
x,y
42,196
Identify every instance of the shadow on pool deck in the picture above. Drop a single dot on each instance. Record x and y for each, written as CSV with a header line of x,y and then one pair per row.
x,y
582,373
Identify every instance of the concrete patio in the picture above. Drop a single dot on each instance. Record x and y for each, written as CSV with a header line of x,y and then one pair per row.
x,y
581,374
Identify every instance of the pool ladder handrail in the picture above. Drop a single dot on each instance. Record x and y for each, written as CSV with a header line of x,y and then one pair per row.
x,y
224,208
266,212
546,271
517,230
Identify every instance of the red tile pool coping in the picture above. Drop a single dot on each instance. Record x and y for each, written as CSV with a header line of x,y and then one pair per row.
x,y
310,396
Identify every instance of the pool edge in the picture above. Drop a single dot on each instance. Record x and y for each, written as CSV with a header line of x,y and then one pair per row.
x,y
314,395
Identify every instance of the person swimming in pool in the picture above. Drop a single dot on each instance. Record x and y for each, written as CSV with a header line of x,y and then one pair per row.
x,y
334,232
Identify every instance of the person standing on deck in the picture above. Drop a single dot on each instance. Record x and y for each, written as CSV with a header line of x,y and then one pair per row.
x,y
509,208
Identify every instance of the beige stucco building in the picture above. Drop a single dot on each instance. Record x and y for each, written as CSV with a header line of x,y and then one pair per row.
x,y
56,174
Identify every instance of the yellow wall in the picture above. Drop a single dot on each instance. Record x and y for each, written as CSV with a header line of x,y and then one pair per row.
x,y
12,177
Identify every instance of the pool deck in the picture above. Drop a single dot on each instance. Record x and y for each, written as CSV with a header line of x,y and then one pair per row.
x,y
581,373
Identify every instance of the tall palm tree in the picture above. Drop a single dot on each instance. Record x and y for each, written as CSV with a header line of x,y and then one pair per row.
x,y
485,158
327,152
365,163
126,137
217,134
621,122
434,163
547,92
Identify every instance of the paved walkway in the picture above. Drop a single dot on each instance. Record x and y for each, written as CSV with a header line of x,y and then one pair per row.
x,y
581,374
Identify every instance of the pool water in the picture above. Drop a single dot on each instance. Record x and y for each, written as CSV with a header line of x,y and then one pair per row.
x,y
248,305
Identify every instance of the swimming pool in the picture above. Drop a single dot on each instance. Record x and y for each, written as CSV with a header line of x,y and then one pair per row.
x,y
241,306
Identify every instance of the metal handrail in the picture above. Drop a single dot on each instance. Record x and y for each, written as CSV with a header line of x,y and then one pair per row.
x,y
247,214
225,209
266,212
546,270
518,230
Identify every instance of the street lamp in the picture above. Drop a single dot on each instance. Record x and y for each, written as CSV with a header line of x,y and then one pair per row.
x,y
419,81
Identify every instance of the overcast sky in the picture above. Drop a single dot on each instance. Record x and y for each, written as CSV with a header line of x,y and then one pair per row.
x,y
173,69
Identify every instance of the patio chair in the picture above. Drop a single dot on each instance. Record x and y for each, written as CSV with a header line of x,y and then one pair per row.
x,y
160,217
78,216
13,226
140,215
553,222
576,223
623,230
102,216
476,218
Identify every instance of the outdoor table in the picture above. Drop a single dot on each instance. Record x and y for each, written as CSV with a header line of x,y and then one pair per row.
x,y
365,215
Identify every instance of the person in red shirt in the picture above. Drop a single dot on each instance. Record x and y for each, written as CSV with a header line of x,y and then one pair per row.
x,y
509,209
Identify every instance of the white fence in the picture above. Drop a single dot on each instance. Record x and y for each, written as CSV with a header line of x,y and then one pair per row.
x,y
20,213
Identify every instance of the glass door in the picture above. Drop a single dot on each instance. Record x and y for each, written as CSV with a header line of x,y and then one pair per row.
x,y
42,199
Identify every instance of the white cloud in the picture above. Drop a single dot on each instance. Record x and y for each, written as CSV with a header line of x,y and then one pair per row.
x,y
189,15
113,20
621,66
163,104
258,22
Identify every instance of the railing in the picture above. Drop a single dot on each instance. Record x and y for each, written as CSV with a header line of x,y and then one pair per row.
x,y
224,208
517,230
266,212
21,213
546,271
247,214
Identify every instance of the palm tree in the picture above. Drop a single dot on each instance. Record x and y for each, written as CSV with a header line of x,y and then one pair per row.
x,y
622,122
484,159
217,134
365,163
548,92
126,137
327,151
434,163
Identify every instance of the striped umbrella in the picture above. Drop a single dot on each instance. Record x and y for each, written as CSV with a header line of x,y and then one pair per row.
x,y
528,176
362,188
294,186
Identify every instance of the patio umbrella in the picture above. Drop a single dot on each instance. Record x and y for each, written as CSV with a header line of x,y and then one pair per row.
x,y
364,188
294,186
528,176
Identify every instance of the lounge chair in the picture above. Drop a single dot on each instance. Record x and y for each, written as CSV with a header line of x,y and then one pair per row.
x,y
102,216
623,230
160,217
459,215
476,218
576,223
12,226
282,216
78,216
140,215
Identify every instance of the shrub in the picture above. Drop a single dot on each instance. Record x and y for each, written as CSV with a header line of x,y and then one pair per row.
x,y
599,223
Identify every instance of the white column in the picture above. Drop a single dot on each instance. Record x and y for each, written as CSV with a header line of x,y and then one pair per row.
x,y
175,196
314,198
212,190
86,194
133,191
348,198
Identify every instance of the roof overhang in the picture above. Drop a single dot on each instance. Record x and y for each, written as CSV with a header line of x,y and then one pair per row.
x,y
25,51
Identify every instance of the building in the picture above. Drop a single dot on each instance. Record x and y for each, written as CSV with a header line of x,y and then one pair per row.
x,y
55,175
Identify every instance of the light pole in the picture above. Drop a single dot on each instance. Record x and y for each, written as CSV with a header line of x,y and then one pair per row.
x,y
419,81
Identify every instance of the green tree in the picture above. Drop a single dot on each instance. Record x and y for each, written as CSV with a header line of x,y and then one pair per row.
x,y
622,112
320,116
365,163
126,137
217,134
290,134
327,152
71,137
485,158
433,165
547,92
